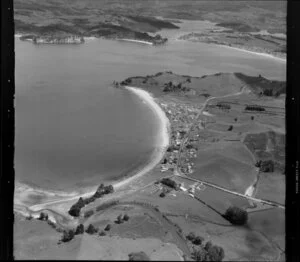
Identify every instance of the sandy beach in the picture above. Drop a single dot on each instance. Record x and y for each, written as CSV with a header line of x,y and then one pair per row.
x,y
22,192
136,41
256,53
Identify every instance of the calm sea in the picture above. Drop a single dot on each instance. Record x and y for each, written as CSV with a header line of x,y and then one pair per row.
x,y
74,130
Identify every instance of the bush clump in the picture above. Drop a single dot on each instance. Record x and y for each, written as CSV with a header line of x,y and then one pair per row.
x,y
265,166
91,229
68,235
208,253
236,215
170,183
138,256
79,229
125,217
108,227
43,216
119,220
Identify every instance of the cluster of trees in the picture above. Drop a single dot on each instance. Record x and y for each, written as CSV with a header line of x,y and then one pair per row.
x,y
43,216
68,235
170,183
223,106
236,215
209,252
101,191
255,108
265,165
196,240
170,87
121,219
126,82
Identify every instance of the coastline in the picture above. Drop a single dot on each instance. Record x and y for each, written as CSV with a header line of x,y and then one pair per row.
x,y
255,53
135,41
22,191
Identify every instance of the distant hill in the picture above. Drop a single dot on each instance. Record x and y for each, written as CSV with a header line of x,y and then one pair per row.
x,y
207,85
139,16
263,86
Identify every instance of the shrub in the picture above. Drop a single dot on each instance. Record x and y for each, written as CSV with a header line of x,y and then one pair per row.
x,y
79,229
88,213
138,256
162,194
102,233
191,236
108,227
236,215
200,254
125,217
216,253
170,183
208,245
119,219
91,229
43,216
67,236
198,240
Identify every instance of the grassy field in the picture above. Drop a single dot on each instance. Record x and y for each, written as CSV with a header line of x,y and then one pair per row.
x,y
227,164
271,187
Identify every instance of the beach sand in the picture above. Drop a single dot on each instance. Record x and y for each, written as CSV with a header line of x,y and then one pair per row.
x,y
256,53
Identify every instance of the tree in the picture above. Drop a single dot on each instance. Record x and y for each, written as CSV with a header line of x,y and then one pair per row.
x,y
138,256
119,219
67,236
198,240
74,211
208,245
199,254
236,215
43,216
215,253
125,217
91,229
252,117
230,128
108,227
162,194
191,236
79,229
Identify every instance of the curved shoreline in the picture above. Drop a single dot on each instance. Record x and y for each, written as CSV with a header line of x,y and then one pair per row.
x,y
60,197
135,41
255,53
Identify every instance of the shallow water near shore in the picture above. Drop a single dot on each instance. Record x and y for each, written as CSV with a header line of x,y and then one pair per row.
x,y
74,130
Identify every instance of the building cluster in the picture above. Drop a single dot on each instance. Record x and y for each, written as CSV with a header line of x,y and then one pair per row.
x,y
58,40
181,117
